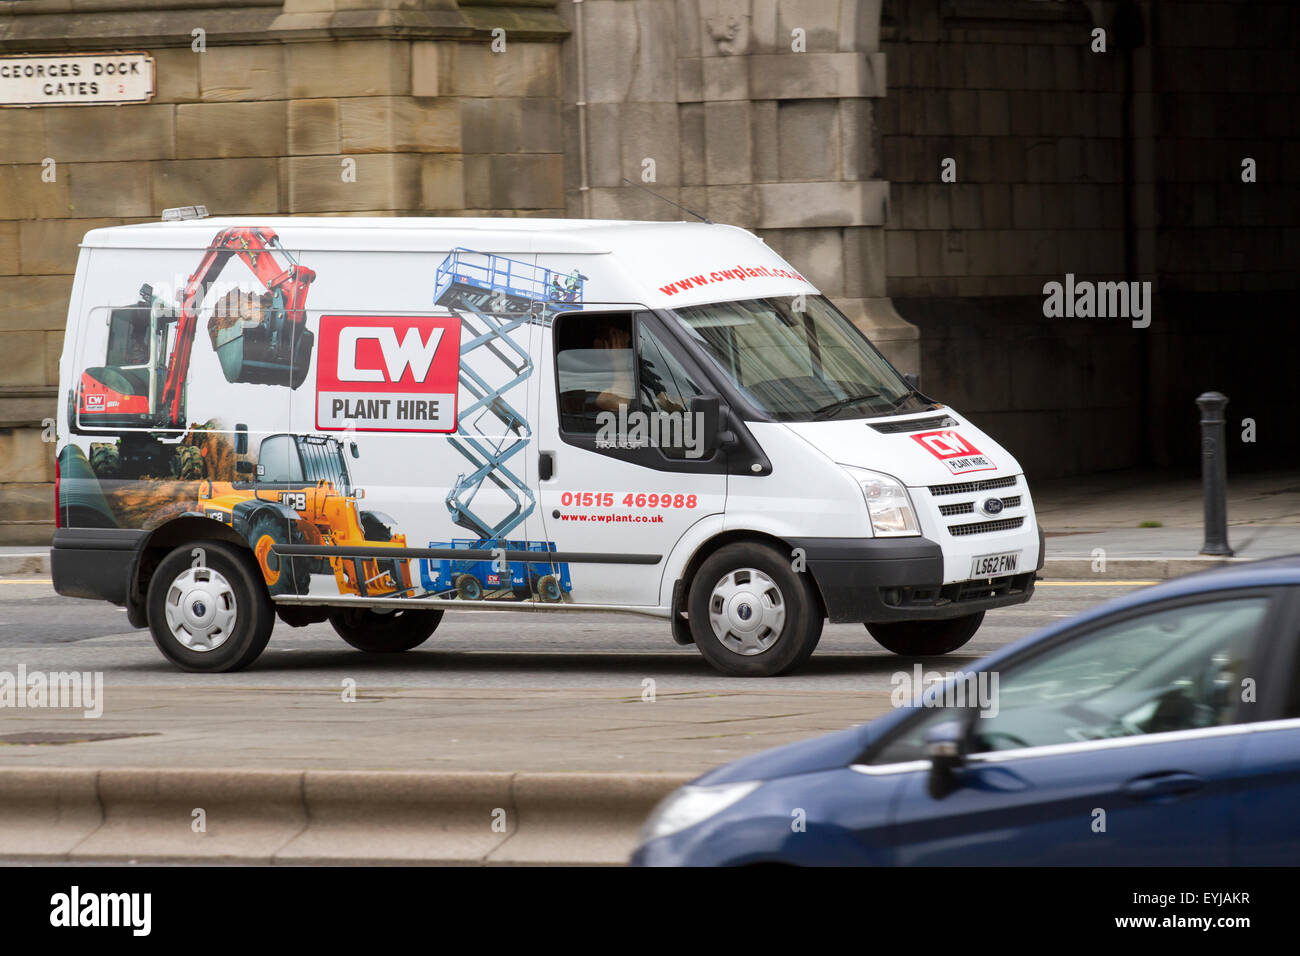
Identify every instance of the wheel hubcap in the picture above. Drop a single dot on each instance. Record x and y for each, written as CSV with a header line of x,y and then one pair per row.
x,y
201,609
746,612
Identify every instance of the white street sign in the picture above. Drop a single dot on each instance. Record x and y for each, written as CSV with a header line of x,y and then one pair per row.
x,y
76,79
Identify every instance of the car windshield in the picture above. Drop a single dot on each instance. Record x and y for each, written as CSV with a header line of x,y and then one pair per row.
x,y
798,358
1172,669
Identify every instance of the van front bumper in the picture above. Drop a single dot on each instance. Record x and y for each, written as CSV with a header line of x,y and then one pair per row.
x,y
874,580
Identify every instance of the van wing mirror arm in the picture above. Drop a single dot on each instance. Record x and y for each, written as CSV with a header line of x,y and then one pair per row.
x,y
706,415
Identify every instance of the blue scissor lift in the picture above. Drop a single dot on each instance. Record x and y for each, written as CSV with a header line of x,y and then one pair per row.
x,y
494,295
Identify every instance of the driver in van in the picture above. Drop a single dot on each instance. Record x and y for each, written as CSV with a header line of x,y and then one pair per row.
x,y
615,338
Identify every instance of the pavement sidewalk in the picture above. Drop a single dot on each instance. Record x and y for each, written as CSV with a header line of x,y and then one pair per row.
x,y
1094,525
427,729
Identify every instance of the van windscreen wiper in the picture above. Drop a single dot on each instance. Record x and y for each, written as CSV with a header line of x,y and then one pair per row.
x,y
841,403
910,393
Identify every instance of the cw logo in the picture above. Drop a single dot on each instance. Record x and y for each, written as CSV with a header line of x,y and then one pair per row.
x,y
412,352
946,444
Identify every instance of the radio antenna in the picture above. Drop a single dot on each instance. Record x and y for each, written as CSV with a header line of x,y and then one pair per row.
x,y
669,201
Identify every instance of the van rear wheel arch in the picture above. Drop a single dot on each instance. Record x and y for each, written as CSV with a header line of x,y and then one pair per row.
x,y
187,529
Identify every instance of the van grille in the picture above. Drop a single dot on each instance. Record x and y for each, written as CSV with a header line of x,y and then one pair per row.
x,y
914,425
966,487
968,507
984,527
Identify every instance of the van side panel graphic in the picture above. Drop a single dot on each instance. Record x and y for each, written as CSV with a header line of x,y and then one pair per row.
x,y
405,409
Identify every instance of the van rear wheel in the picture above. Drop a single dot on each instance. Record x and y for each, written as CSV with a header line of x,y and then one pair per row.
x,y
377,632
751,614
208,608
926,638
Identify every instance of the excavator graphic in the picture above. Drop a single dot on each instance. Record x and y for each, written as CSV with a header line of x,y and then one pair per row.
x,y
141,387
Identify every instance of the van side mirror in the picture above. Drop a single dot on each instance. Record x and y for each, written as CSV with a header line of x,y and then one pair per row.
x,y
241,439
913,379
352,446
945,748
706,422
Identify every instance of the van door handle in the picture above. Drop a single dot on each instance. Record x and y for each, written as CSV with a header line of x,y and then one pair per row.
x,y
545,465
1168,784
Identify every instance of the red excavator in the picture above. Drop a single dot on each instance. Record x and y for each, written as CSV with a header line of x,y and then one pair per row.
x,y
142,383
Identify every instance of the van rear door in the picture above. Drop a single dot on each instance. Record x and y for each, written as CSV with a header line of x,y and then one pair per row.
x,y
620,466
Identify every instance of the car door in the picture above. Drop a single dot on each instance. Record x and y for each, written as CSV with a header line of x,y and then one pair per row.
x,y
621,471
1265,825
1114,745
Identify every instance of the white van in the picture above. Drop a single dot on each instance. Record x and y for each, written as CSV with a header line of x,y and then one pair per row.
x,y
373,421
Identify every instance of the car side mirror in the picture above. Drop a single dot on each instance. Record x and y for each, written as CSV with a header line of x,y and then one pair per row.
x,y
945,747
706,421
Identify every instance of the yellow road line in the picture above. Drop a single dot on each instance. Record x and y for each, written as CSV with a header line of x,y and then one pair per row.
x,y
25,581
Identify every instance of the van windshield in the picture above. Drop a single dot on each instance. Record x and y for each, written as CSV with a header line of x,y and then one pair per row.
x,y
798,358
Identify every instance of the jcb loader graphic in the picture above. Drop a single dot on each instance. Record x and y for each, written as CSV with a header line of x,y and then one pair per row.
x,y
301,492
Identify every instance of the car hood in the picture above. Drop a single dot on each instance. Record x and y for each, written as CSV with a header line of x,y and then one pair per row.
x,y
937,447
826,752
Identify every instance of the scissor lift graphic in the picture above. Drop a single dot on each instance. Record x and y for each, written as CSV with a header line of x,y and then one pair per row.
x,y
493,296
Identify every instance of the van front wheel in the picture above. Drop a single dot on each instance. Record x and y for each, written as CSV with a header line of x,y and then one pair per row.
x,y
751,613
926,638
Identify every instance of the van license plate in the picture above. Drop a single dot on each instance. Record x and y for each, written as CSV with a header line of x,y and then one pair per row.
x,y
994,565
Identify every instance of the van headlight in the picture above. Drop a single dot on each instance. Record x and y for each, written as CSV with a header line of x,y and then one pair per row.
x,y
690,805
888,503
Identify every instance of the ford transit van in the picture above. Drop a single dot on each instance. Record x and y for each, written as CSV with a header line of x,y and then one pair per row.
x,y
371,422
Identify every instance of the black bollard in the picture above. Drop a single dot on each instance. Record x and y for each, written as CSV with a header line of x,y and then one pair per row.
x,y
1214,480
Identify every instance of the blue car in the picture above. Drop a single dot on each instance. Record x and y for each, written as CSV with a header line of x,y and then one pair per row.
x,y
1162,728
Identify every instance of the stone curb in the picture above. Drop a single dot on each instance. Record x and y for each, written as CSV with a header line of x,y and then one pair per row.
x,y
324,816
1129,569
